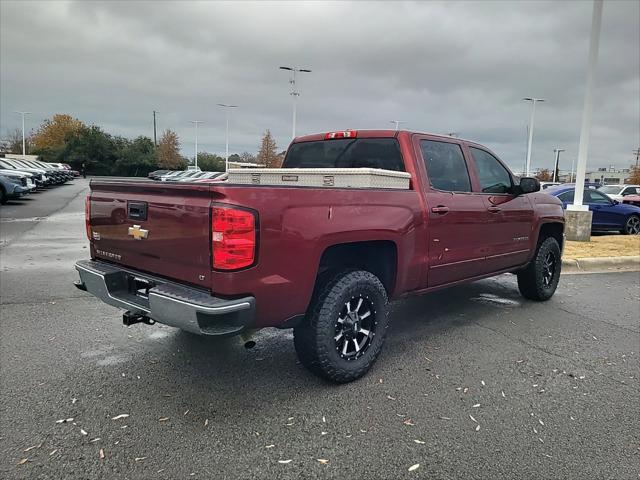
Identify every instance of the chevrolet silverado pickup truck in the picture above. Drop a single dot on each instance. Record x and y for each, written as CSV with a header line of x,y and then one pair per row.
x,y
226,259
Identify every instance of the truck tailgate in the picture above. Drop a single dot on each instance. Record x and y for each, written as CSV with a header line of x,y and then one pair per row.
x,y
158,228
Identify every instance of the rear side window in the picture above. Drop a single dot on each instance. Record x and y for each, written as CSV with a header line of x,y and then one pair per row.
x,y
566,196
346,153
494,178
446,167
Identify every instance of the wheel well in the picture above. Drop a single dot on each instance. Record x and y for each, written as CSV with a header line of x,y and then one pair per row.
x,y
378,257
554,230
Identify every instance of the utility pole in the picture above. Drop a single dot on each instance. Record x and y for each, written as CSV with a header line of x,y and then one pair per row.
x,y
226,141
397,122
155,134
294,93
533,116
196,122
24,143
555,168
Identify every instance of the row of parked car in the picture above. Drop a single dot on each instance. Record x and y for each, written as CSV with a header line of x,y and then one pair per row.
x,y
20,176
614,207
187,176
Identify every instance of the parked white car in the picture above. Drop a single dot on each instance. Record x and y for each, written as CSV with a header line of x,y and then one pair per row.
x,y
616,192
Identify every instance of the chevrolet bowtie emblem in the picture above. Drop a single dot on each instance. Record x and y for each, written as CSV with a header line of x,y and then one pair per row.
x,y
138,233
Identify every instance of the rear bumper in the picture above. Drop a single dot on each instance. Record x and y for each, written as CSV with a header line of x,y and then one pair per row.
x,y
166,302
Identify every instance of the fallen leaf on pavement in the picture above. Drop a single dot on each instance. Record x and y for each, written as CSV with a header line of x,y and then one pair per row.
x,y
473,419
476,405
414,467
390,397
206,422
101,454
419,442
163,419
23,461
139,459
284,461
118,417
31,448
95,440
83,431
323,461
53,451
408,422
269,446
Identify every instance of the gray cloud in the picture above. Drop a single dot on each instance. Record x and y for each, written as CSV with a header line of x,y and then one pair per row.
x,y
441,67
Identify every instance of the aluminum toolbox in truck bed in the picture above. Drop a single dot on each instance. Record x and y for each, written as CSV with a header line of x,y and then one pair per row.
x,y
321,177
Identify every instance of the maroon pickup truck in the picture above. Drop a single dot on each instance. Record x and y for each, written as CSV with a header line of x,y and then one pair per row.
x,y
226,259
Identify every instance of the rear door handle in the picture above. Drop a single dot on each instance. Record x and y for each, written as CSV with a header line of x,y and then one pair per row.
x,y
440,210
494,209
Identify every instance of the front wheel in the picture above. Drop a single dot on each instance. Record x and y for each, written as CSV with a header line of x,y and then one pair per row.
x,y
345,326
632,227
540,279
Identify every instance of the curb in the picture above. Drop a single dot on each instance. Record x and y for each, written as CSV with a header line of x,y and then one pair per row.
x,y
601,264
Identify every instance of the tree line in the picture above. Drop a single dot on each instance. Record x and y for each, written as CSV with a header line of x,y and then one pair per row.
x,y
65,139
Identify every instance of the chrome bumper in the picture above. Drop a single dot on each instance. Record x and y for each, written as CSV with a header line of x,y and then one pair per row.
x,y
165,302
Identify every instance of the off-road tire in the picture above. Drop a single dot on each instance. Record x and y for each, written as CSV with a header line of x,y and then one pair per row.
x,y
314,338
531,280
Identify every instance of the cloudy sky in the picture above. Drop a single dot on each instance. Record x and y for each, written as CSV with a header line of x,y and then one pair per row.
x,y
439,66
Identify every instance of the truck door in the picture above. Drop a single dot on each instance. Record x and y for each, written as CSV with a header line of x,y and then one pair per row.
x,y
455,214
509,218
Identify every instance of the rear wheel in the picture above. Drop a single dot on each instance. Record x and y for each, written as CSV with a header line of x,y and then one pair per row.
x,y
632,227
345,326
540,279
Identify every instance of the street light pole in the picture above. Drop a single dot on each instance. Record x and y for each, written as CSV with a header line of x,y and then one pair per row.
x,y
24,143
226,147
555,167
397,122
583,147
294,93
196,122
530,142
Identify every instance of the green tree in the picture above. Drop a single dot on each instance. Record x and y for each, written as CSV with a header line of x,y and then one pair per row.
x,y
134,158
210,162
92,147
168,151
268,153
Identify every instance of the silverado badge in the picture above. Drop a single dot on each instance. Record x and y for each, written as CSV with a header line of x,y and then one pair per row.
x,y
138,233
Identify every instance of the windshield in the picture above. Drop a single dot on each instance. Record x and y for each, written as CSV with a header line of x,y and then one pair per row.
x,y
346,153
610,189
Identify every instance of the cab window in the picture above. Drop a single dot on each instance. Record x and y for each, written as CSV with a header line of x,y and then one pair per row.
x,y
494,178
446,167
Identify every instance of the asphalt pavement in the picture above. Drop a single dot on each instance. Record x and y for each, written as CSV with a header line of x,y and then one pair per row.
x,y
473,382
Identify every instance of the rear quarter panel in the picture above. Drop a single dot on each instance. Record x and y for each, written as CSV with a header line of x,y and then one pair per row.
x,y
298,224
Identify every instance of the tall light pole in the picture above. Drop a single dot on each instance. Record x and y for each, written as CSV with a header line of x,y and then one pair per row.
x,y
533,116
583,146
24,143
196,122
226,141
555,167
578,215
397,122
294,92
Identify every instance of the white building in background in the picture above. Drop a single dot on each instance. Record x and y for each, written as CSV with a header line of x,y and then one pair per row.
x,y
609,176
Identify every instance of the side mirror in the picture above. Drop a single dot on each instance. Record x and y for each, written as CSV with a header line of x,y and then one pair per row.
x,y
529,185
616,202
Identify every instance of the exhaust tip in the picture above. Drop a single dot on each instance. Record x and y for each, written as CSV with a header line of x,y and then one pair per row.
x,y
249,344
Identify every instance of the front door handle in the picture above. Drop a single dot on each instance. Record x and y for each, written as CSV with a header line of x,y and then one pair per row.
x,y
440,210
494,209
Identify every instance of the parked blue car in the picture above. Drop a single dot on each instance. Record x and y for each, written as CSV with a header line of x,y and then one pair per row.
x,y
608,214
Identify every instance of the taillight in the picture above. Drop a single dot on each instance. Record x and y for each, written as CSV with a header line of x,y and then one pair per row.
x,y
345,134
233,238
87,216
